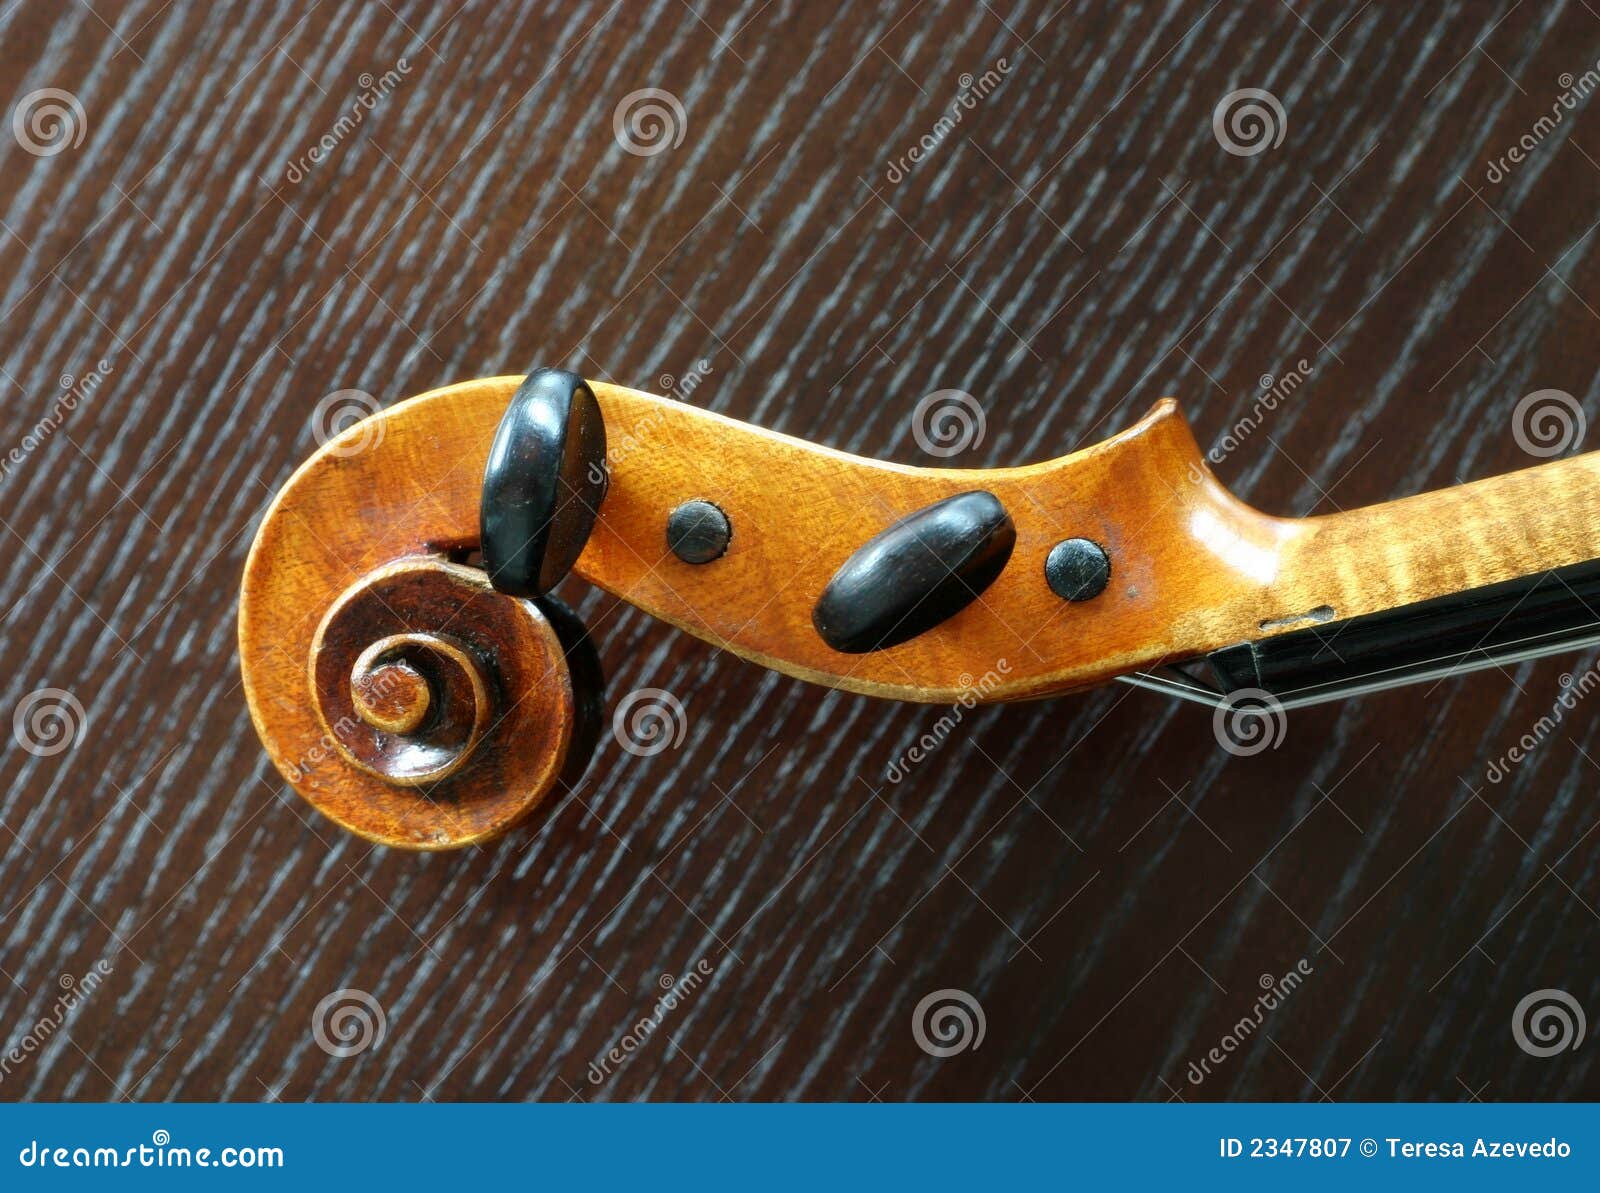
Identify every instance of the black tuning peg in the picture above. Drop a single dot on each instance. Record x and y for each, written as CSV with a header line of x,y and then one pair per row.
x,y
917,573
543,484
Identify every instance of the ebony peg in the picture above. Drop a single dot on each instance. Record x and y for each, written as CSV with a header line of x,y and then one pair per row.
x,y
543,484
916,574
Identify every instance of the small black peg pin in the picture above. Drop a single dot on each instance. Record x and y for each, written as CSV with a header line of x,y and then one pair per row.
x,y
1077,569
698,532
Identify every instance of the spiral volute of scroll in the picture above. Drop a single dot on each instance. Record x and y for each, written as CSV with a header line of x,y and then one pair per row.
x,y
404,673
447,711
421,702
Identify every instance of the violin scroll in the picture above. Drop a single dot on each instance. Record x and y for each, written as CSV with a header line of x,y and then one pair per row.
x,y
451,709
395,687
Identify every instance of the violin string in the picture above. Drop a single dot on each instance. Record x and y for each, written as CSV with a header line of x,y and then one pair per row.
x,y
1441,667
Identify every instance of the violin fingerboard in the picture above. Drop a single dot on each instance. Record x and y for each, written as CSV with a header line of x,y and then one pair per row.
x,y
1544,613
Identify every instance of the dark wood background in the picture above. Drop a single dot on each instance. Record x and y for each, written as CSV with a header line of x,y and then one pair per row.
x,y
1106,882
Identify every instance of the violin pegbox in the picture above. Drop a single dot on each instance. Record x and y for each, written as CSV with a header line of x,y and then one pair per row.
x,y
427,704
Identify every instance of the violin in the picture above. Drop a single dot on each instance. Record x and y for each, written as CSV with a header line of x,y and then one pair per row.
x,y
411,675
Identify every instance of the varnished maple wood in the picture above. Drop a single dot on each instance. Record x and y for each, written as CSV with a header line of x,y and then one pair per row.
x,y
417,707
1193,569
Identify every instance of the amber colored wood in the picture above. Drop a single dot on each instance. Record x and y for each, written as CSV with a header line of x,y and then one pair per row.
x,y
1192,569
416,707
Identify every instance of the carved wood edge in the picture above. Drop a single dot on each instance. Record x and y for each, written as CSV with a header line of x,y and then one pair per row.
x,y
1192,570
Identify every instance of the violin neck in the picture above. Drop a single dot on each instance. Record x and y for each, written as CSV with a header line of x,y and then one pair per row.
x,y
1517,555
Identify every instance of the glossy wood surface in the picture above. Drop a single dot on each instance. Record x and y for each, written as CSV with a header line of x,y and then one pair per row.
x,y
1193,568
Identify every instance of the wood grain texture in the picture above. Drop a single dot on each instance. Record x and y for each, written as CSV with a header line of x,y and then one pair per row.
x,y
1195,569
1095,871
